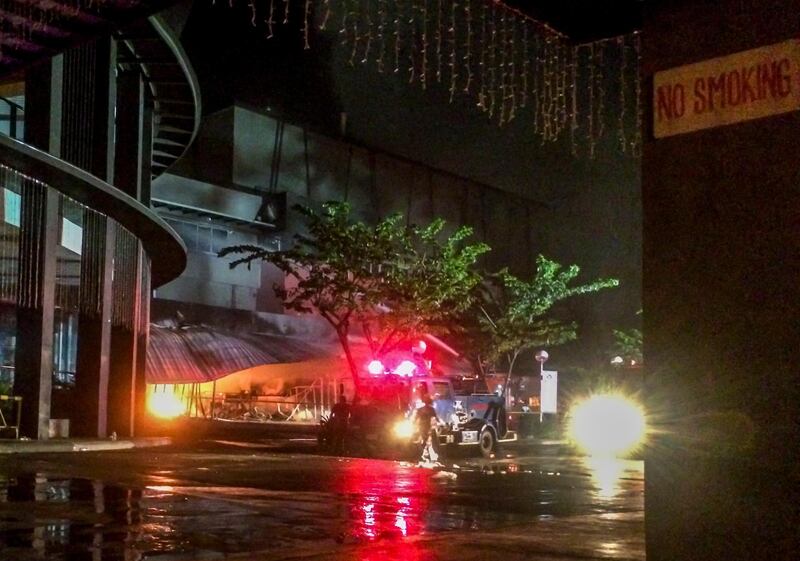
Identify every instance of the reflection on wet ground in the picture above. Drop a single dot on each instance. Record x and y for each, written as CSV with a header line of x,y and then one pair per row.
x,y
256,505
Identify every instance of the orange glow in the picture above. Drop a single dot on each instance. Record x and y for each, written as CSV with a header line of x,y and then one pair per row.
x,y
165,405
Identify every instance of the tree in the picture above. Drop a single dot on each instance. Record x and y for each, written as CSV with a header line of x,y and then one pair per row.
x,y
628,345
512,315
392,280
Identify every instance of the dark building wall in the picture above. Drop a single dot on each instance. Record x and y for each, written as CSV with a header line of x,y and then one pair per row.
x,y
578,209
721,267
596,226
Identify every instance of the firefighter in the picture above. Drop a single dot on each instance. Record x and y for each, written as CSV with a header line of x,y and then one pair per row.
x,y
424,418
339,420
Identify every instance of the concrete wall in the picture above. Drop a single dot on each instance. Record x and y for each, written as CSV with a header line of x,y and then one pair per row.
x,y
721,300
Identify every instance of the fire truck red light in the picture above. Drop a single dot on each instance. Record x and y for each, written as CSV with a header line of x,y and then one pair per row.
x,y
375,367
405,368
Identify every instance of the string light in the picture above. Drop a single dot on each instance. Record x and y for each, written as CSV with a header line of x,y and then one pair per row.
x,y
537,67
482,63
601,96
397,34
353,17
492,60
368,17
271,19
252,5
468,44
576,53
423,75
438,40
452,34
327,16
345,15
622,68
512,66
526,66
562,91
381,33
636,146
510,62
306,17
503,67
412,43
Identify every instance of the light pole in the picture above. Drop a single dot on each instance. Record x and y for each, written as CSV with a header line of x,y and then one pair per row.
x,y
541,358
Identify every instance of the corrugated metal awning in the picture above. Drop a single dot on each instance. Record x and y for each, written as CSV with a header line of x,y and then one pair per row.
x,y
201,354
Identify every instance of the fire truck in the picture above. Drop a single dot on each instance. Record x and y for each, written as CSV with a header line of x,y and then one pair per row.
x,y
381,423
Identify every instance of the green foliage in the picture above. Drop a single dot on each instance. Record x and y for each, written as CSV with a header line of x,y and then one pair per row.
x,y
629,344
515,315
393,280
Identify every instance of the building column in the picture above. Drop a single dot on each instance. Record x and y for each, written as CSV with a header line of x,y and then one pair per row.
x,y
33,355
141,343
94,327
87,141
131,175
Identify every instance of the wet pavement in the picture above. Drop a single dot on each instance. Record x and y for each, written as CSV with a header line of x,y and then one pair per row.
x,y
274,501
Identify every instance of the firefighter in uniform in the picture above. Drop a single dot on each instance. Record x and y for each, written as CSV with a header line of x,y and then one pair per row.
x,y
424,418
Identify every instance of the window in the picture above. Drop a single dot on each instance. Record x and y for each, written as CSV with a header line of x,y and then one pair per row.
x,y
71,235
441,390
201,238
12,203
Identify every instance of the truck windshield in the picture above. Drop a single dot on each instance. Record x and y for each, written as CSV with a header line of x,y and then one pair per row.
x,y
441,390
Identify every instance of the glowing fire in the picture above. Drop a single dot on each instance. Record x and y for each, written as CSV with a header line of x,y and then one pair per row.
x,y
165,405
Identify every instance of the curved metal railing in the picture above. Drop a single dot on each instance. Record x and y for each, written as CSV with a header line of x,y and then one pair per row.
x,y
166,250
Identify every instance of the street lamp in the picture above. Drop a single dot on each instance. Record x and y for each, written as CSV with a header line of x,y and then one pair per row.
x,y
617,361
541,358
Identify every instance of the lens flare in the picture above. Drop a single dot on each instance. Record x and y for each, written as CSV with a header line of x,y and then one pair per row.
x,y
403,429
607,425
165,405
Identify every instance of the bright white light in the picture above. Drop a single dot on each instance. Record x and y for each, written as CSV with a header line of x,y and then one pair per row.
x,y
375,367
403,429
405,368
607,424
165,405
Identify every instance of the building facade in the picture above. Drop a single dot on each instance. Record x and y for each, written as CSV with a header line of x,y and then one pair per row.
x,y
87,130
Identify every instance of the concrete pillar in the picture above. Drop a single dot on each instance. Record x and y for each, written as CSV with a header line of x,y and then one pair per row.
x,y
37,258
33,357
94,328
87,141
130,171
721,296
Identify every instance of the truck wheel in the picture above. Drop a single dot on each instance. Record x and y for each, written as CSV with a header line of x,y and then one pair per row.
x,y
487,443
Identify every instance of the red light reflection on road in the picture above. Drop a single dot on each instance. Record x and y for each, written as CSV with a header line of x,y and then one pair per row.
x,y
395,551
386,500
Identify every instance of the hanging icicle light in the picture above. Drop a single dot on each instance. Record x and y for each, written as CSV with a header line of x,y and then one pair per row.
x,y
513,65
